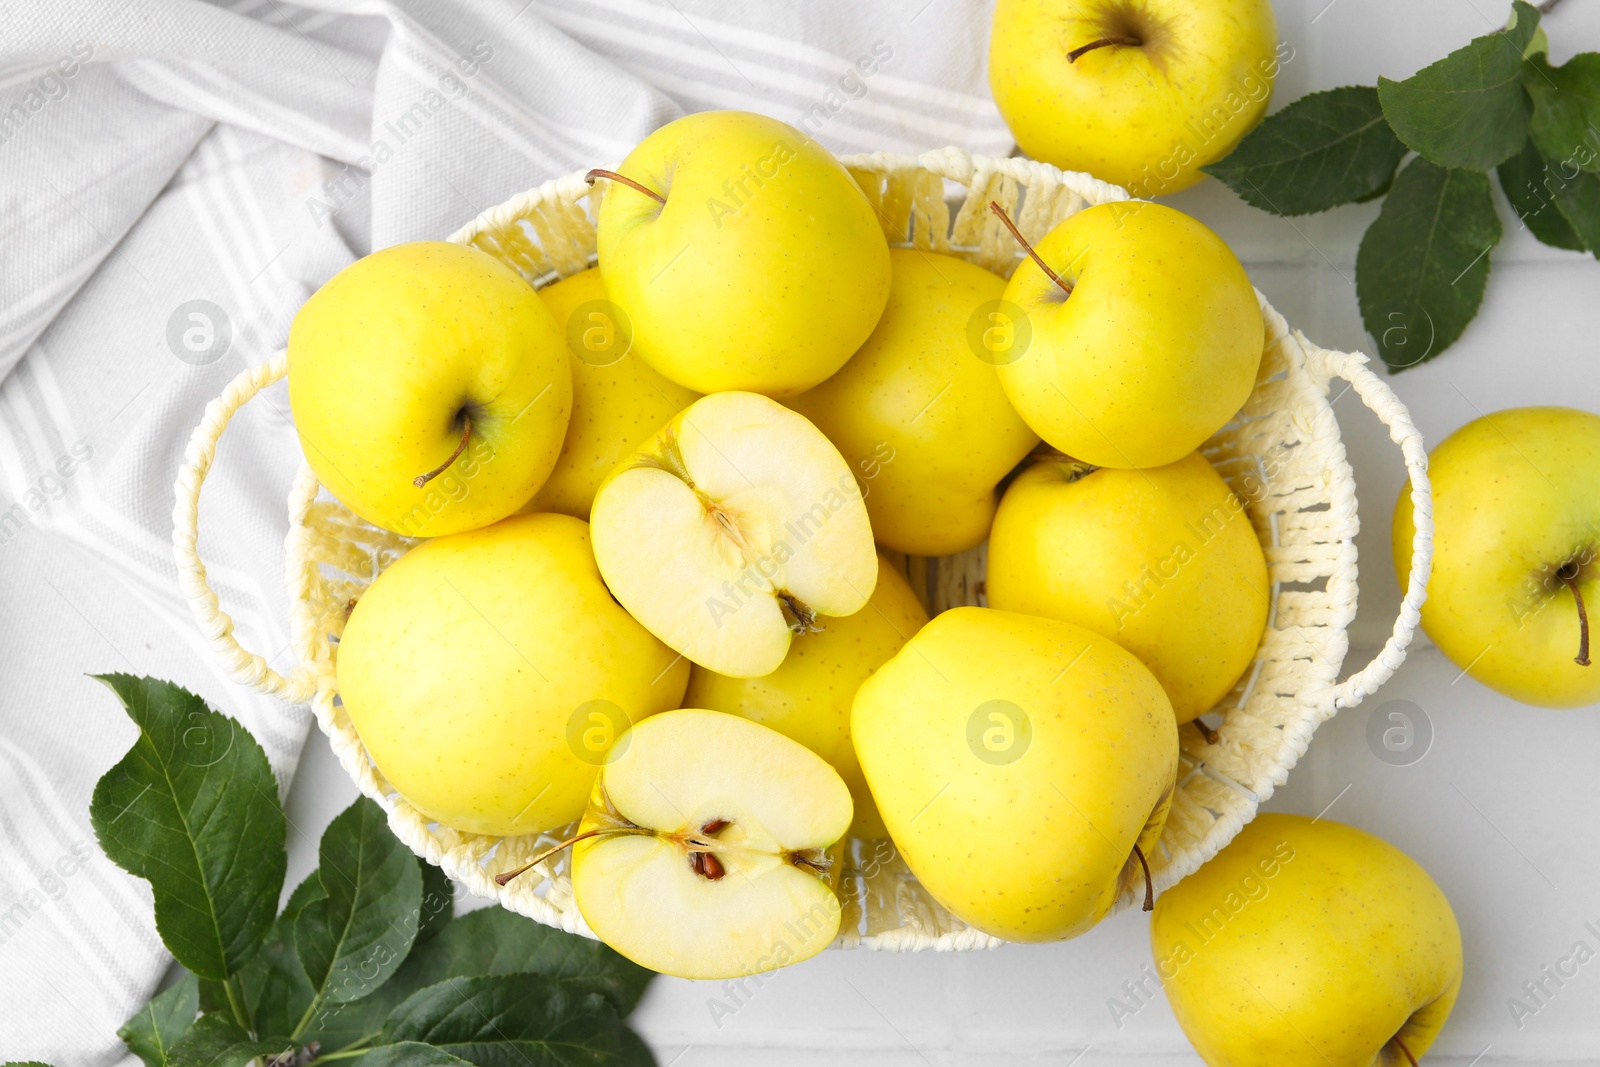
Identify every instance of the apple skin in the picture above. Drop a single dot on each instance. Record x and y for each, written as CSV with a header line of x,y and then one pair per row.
x,y
386,357
466,664
808,697
1029,843
618,402
1156,349
765,269
1145,117
1516,495
902,410
1162,561
1303,932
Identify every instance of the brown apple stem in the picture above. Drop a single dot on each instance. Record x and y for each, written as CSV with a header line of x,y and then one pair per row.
x,y
625,180
1211,736
1149,886
599,831
1104,42
423,479
1569,574
1026,247
1409,1057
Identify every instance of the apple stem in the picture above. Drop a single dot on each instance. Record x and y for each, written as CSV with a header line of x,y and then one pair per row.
x,y
423,479
1072,56
1149,886
1211,736
599,831
1409,1057
1569,574
1026,247
629,182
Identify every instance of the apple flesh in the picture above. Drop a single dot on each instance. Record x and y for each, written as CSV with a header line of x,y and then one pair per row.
x,y
429,387
487,672
731,530
1306,941
751,261
1516,552
705,849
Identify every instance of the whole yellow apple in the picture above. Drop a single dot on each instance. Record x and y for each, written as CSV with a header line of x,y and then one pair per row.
x,y
1155,349
1516,511
808,697
903,409
752,262
1306,941
1139,93
1162,561
489,672
1023,766
435,363
618,400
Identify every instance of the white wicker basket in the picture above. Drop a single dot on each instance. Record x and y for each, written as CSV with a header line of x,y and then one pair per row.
x,y
1282,455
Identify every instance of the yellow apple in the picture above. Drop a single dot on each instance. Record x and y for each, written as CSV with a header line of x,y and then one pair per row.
x,y
429,362
1308,942
618,400
903,409
1139,93
1516,511
753,263
1156,348
808,697
1022,765
1162,561
488,673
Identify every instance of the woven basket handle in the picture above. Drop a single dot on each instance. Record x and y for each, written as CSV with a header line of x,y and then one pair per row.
x,y
242,665
1352,367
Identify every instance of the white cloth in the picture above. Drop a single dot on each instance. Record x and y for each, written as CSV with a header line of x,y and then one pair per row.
x,y
162,152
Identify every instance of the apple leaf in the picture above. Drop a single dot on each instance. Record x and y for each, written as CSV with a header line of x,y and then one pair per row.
x,y
274,987
1323,150
1577,194
438,901
1527,181
517,1020
410,1054
193,808
1469,109
217,1041
151,1033
351,939
1423,263
1566,109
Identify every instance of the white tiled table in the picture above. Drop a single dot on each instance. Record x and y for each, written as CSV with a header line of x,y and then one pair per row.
x,y
1502,810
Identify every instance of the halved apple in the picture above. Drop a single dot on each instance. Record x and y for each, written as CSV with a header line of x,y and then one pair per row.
x,y
704,852
731,530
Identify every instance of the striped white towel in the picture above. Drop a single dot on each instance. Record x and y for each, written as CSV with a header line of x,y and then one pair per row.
x,y
176,178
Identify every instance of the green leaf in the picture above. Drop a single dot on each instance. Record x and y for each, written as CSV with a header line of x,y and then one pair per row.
x,y
151,1033
497,941
275,989
1323,150
1468,110
217,1041
517,1020
1527,181
438,901
410,1054
1566,109
1423,263
1577,194
193,807
352,939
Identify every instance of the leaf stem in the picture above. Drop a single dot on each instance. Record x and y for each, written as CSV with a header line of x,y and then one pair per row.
x,y
1548,6
345,1053
305,1020
230,985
